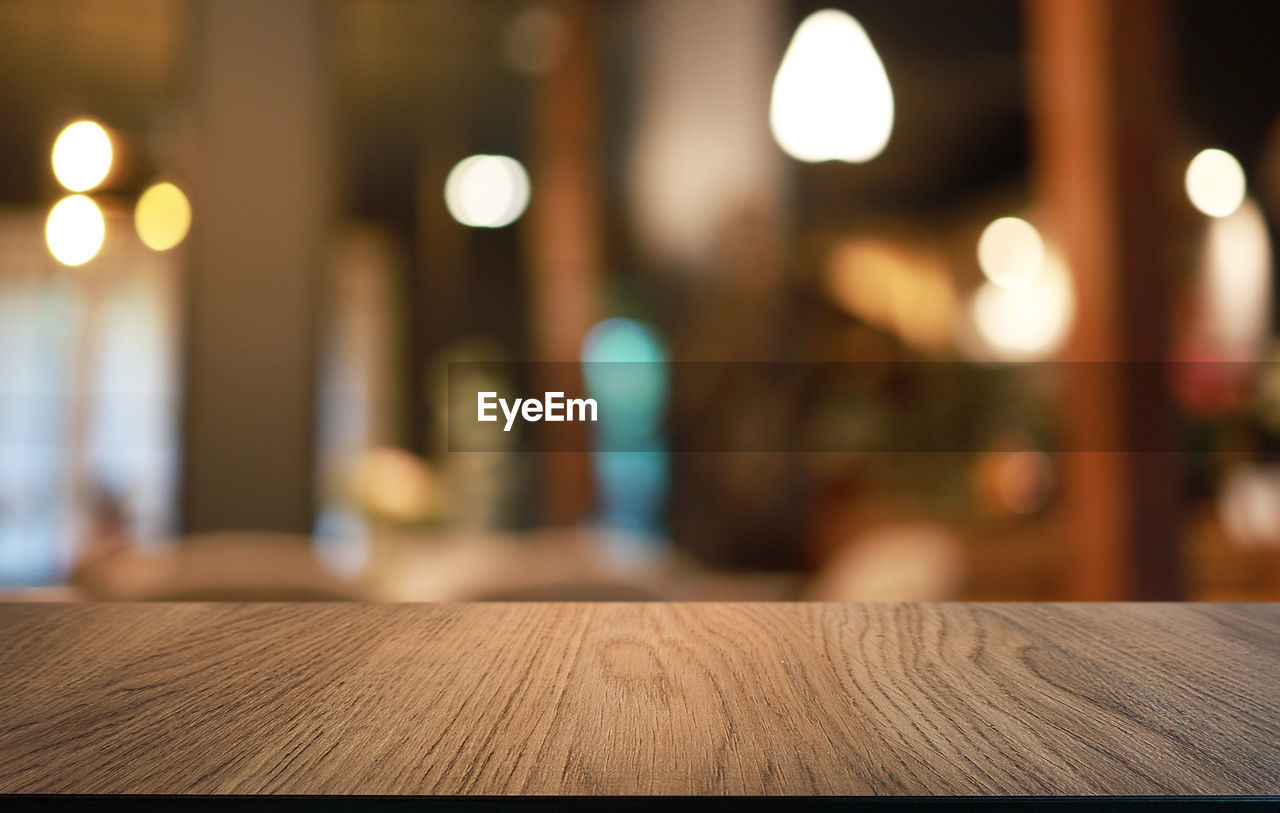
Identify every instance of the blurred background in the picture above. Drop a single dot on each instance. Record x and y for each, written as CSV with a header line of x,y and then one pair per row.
x,y
242,242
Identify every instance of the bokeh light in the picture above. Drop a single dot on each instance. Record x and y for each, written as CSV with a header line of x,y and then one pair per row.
x,y
831,97
1215,183
1249,505
487,191
82,156
1028,323
75,230
162,216
897,286
394,485
1235,283
1010,252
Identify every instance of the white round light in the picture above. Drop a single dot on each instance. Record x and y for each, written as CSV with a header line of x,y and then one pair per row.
x,y
82,156
487,191
1010,252
1215,183
75,230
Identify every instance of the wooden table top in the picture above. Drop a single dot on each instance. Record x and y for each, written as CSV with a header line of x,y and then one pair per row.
x,y
952,699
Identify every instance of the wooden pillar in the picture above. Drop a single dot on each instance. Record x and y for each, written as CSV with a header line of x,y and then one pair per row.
x,y
564,248
260,200
1100,101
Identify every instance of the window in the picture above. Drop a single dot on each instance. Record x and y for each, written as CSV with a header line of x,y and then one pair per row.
x,y
87,396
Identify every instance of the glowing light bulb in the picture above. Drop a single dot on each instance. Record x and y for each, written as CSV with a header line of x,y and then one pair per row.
x,y
487,191
1010,252
82,156
75,230
162,216
831,97
1215,183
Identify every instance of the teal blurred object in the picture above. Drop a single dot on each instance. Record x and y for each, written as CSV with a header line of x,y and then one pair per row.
x,y
625,368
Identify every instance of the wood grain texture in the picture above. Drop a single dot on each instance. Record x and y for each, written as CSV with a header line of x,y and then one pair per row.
x,y
640,699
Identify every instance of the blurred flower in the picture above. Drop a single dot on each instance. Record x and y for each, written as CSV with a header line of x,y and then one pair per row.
x,y
1206,383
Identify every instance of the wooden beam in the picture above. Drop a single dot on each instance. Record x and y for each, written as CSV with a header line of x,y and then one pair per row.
x,y
1100,101
564,248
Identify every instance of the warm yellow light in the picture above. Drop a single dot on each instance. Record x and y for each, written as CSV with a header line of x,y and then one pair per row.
x,y
162,216
74,230
1215,183
1028,323
831,97
1010,252
395,485
487,191
82,156
900,287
